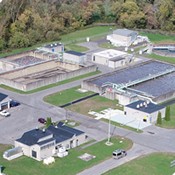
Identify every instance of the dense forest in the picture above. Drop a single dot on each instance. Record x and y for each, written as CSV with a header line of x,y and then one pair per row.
x,y
24,23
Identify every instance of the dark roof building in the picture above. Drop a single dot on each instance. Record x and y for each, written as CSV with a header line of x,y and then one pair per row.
x,y
3,96
144,111
40,144
75,53
145,107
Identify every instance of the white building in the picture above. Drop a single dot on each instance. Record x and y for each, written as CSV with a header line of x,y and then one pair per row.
x,y
41,144
144,111
112,58
54,47
122,37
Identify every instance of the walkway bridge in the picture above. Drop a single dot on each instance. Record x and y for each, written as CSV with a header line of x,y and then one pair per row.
x,y
165,46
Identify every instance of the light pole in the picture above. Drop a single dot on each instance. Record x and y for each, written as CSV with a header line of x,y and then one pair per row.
x,y
109,127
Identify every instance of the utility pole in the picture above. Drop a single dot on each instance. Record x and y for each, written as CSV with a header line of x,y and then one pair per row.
x,y
109,127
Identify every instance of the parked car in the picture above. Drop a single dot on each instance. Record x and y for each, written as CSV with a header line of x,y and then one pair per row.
x,y
5,113
14,103
42,120
117,154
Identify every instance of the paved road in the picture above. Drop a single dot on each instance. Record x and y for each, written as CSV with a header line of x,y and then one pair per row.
x,y
134,152
32,107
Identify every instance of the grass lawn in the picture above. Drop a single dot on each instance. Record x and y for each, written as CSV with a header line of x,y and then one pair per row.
x,y
66,96
76,48
107,46
169,124
69,165
96,103
153,164
51,85
158,57
68,37
157,38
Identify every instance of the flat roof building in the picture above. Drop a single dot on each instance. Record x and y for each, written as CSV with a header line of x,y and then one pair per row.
x,y
75,56
144,111
112,58
122,37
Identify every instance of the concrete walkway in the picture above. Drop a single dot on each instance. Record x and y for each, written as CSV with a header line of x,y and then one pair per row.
x,y
135,152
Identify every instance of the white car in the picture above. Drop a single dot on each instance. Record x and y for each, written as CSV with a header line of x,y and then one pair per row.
x,y
4,113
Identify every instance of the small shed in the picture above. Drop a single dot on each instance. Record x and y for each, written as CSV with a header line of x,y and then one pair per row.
x,y
54,47
75,56
144,111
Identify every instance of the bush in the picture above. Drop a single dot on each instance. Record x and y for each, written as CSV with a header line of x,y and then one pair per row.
x,y
159,118
167,113
49,121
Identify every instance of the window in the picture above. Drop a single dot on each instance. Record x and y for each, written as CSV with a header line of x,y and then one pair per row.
x,y
93,58
125,113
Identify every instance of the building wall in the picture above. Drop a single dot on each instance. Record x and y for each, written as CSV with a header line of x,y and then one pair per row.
x,y
114,64
6,101
56,48
99,59
136,114
74,57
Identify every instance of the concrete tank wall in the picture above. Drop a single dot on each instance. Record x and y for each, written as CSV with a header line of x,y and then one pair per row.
x,y
51,64
60,77
91,87
18,55
164,97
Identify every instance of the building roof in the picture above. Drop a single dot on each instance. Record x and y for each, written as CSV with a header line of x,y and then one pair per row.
x,y
32,137
59,133
53,45
125,32
3,96
148,108
75,53
110,53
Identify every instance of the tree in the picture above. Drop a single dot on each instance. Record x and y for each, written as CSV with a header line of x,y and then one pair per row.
x,y
167,113
49,121
159,118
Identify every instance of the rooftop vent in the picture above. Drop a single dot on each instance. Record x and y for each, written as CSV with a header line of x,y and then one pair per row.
x,y
44,130
147,102
37,128
144,103
51,45
56,126
55,44
137,106
141,104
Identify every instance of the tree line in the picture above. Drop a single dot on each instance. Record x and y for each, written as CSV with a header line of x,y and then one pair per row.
x,y
24,23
